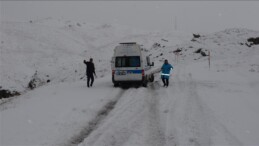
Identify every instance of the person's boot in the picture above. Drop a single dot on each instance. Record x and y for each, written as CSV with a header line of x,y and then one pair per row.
x,y
164,82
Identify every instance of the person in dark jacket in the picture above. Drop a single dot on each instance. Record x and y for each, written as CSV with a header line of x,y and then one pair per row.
x,y
90,71
166,68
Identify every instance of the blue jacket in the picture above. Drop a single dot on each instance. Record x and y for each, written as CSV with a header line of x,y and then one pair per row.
x,y
166,68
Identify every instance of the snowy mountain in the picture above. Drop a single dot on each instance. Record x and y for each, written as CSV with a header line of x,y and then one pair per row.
x,y
202,105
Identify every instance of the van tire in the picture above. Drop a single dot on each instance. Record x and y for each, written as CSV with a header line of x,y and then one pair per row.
x,y
116,85
144,84
151,78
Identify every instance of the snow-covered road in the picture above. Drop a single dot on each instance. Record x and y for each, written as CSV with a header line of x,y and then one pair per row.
x,y
157,116
188,112
53,114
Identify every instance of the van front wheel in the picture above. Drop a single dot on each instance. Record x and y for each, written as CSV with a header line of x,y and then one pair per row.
x,y
151,78
144,83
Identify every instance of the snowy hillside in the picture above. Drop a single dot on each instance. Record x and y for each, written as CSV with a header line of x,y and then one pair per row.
x,y
51,50
202,106
224,44
55,52
230,50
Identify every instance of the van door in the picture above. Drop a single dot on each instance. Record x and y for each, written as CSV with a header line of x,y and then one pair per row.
x,y
128,68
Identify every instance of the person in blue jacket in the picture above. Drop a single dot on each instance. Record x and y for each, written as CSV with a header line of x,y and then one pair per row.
x,y
166,68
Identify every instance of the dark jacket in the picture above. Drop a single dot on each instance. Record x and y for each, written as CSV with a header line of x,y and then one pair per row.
x,y
90,69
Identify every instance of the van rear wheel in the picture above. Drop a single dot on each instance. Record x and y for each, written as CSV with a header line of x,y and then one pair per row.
x,y
115,84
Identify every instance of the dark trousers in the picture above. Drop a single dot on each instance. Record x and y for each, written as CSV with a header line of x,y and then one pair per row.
x,y
165,81
90,77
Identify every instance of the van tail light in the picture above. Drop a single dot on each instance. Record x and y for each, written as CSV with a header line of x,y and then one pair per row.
x,y
143,72
113,72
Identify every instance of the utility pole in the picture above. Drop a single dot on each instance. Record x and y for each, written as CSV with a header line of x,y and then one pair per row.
x,y
175,23
176,56
209,60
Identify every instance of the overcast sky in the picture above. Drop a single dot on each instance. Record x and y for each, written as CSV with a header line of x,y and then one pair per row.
x,y
190,16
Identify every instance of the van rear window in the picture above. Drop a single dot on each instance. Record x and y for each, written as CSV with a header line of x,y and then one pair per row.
x,y
127,61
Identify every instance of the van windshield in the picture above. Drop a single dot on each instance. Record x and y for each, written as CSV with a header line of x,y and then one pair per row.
x,y
127,61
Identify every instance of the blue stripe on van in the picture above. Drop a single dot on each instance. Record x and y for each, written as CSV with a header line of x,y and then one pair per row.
x,y
134,71
124,72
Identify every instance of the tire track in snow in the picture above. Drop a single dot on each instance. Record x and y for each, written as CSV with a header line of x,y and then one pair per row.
x,y
170,105
196,118
189,121
210,122
203,124
123,122
156,135
134,121
94,123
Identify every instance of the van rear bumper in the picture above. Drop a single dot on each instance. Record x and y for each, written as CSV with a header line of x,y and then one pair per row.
x,y
127,81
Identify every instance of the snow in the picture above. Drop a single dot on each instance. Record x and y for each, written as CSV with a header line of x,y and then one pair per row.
x,y
51,114
232,99
201,106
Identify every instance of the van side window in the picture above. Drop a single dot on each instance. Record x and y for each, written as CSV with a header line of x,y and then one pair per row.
x,y
127,61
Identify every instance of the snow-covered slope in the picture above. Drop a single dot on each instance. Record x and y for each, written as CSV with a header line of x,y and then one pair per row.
x,y
202,106
53,50
229,43
229,50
